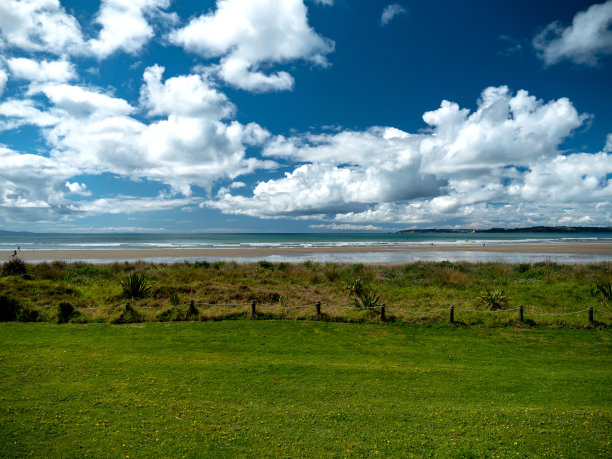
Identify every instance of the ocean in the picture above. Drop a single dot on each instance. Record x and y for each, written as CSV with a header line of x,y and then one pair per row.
x,y
9,241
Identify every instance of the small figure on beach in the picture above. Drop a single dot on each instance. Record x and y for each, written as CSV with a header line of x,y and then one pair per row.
x,y
14,253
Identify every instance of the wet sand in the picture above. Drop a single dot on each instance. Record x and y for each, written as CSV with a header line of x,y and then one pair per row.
x,y
590,248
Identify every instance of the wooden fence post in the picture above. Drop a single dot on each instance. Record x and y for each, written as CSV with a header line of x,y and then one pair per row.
x,y
521,313
382,313
318,305
253,311
452,315
590,314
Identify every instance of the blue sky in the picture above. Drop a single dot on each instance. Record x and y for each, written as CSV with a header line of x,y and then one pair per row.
x,y
314,115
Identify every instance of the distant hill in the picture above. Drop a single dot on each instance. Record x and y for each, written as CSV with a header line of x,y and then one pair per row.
x,y
532,229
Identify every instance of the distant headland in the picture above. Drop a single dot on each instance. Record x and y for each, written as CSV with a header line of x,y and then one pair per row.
x,y
531,229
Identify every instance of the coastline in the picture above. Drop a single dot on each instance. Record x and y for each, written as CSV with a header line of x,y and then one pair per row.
x,y
360,254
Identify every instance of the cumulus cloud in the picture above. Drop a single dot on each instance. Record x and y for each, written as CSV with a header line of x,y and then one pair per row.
x,y
186,95
187,141
390,12
499,164
78,188
588,39
45,26
3,80
39,25
125,25
248,34
41,71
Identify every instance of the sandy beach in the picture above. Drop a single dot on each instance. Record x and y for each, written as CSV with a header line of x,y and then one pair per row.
x,y
603,249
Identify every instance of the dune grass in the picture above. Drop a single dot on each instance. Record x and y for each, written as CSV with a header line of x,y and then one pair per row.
x,y
303,388
423,286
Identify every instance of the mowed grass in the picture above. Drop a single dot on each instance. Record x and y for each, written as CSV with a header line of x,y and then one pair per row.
x,y
303,388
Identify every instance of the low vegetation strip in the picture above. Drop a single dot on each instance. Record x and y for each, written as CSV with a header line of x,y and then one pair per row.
x,y
303,388
548,293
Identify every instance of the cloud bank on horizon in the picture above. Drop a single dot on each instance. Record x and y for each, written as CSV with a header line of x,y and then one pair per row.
x,y
133,112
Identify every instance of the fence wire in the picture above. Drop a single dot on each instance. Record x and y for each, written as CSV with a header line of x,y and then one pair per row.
x,y
339,307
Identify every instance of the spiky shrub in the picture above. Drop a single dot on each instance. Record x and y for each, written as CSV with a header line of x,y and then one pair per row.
x,y
15,267
493,300
135,285
364,297
356,287
367,299
602,289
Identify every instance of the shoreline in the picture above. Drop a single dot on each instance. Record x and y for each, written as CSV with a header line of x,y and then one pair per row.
x,y
596,249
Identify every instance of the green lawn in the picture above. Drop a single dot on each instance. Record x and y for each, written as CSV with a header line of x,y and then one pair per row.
x,y
302,388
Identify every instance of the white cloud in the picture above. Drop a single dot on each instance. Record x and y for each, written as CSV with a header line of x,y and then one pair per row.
x,y
186,95
41,71
124,25
39,25
3,80
584,42
608,146
78,188
390,12
92,132
346,227
32,187
465,163
246,34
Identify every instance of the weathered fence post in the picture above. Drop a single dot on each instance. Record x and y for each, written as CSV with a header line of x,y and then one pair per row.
x,y
382,313
192,311
318,305
521,313
253,311
590,314
452,315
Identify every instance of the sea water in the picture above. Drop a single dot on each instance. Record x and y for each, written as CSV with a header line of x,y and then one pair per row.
x,y
9,241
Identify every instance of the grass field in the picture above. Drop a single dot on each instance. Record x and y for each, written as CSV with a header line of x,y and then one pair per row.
x,y
303,388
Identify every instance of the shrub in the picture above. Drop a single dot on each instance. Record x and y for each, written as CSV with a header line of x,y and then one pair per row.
x,y
28,315
368,299
493,299
65,311
15,267
364,296
265,264
9,309
135,285
128,315
201,264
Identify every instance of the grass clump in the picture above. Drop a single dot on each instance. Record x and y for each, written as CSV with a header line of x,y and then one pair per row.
x,y
128,315
135,285
602,289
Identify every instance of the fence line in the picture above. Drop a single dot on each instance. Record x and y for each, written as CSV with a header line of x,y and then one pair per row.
x,y
337,307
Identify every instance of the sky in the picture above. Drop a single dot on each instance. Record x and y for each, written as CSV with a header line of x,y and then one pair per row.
x,y
304,115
